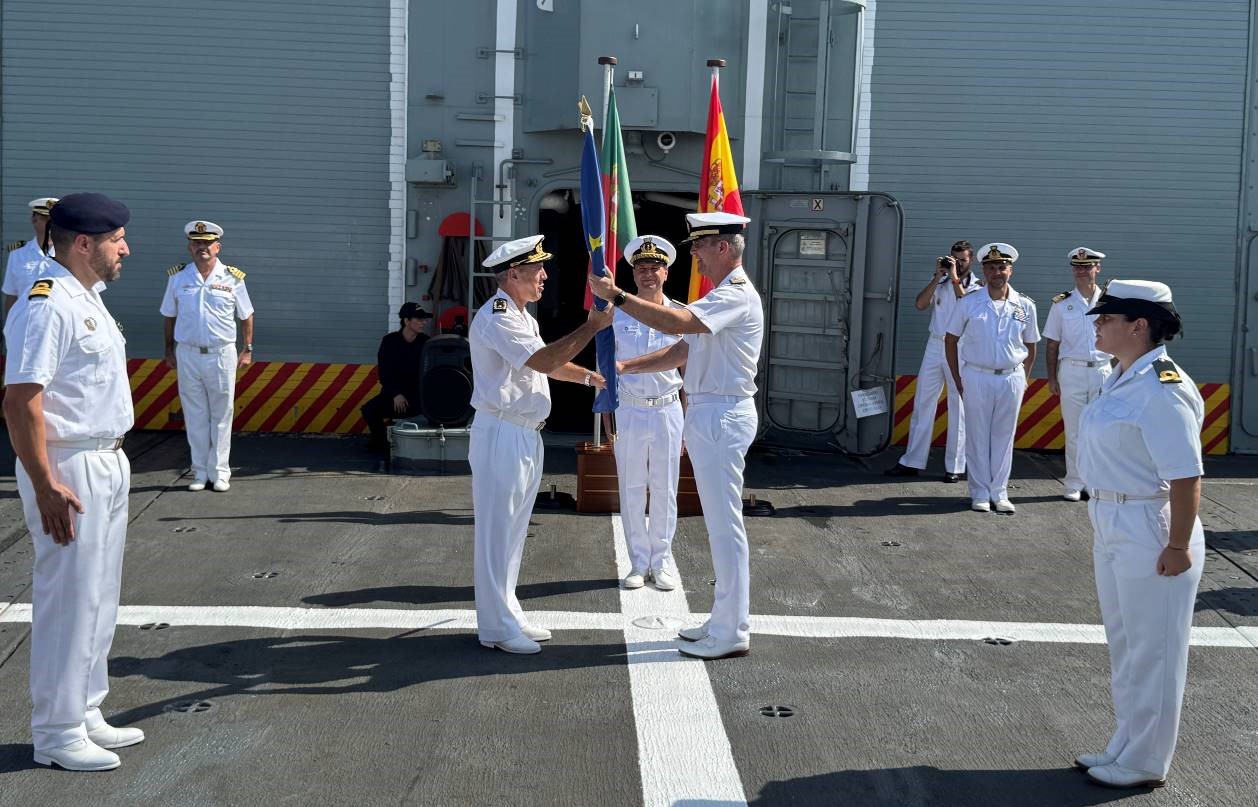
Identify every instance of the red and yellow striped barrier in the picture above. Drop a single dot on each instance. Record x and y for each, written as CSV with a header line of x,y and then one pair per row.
x,y
1039,423
312,397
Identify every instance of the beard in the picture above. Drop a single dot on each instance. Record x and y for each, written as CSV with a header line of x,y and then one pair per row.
x,y
106,268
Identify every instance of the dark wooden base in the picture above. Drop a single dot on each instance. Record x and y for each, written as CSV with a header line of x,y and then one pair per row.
x,y
598,490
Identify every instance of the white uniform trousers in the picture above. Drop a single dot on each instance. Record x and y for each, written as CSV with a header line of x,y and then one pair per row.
x,y
1080,386
1147,619
506,462
717,438
932,377
992,403
648,455
75,594
207,388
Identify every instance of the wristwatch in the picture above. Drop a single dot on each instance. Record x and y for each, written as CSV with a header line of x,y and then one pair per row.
x,y
619,299
248,347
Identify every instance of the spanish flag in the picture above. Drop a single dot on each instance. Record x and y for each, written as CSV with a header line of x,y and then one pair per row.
x,y
718,186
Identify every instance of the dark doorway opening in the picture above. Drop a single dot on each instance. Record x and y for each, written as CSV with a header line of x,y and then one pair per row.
x,y
562,308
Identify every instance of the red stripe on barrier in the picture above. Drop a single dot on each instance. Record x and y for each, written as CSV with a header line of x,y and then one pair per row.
x,y
1214,414
902,383
282,375
1219,438
352,403
1032,420
150,381
1050,435
300,384
316,408
155,408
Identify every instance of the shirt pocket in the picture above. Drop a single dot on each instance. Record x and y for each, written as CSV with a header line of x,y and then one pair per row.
x,y
221,302
94,358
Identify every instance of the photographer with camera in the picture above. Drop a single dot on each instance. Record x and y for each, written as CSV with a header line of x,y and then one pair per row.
x,y
950,282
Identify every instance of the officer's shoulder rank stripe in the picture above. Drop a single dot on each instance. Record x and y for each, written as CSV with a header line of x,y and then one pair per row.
x,y
1057,298
1167,372
13,245
737,281
42,288
236,273
500,305
174,270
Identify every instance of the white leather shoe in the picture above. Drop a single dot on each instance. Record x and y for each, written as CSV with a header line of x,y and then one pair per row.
x,y
222,486
695,634
1086,761
1072,495
1005,506
80,755
536,634
635,579
710,648
664,580
197,486
981,507
1115,775
520,645
107,736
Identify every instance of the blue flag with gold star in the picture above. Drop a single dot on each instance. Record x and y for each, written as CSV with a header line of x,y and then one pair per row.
x,y
593,219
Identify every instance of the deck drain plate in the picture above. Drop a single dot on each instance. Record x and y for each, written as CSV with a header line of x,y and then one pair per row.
x,y
265,575
1002,641
777,711
656,622
184,529
155,626
188,707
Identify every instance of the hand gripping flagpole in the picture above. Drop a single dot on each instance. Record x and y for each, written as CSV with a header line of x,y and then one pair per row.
x,y
602,419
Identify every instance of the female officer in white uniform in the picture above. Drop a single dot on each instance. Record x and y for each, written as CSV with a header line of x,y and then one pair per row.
x,y
648,426
1140,456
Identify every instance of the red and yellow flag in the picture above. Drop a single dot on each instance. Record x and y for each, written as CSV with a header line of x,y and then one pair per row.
x,y
718,186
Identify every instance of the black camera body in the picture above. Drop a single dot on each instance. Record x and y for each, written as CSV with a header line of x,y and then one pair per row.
x,y
945,262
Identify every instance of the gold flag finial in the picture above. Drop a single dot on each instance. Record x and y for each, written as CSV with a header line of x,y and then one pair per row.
x,y
587,114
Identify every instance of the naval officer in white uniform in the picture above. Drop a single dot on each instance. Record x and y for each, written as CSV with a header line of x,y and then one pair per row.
x,y
203,300
1001,331
722,335
1140,455
511,395
68,406
648,426
1076,369
950,283
26,258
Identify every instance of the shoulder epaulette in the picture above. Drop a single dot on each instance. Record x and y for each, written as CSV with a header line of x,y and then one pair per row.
x,y
738,281
13,245
42,288
236,273
174,270
1057,298
500,305
1167,372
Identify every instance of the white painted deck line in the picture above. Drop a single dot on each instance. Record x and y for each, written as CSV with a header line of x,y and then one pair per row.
x,y
684,755
245,616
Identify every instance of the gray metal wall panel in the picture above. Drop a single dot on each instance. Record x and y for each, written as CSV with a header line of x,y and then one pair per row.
x,y
1116,125
271,119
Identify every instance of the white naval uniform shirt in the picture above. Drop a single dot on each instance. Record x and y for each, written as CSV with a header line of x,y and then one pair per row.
x,y
72,347
724,362
504,337
1141,432
206,310
944,303
999,330
634,339
23,268
1069,324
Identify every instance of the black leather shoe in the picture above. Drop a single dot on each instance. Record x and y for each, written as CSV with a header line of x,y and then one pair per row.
x,y
900,470
953,477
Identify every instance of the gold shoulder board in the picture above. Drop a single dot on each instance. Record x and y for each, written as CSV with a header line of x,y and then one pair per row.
x,y
236,273
1167,372
13,245
174,270
500,305
42,288
737,281
1057,298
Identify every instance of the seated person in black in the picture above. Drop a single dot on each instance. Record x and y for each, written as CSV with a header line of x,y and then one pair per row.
x,y
398,368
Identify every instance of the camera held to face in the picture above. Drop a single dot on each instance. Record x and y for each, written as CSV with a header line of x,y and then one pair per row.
x,y
946,263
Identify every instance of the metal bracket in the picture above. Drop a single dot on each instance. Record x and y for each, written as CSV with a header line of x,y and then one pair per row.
x,y
485,98
485,53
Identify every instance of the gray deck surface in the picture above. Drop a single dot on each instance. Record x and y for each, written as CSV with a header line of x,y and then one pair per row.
x,y
428,717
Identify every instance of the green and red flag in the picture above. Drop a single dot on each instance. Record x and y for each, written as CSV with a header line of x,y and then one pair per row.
x,y
622,226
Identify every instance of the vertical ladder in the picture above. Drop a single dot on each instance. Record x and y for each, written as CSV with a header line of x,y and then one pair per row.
x,y
474,270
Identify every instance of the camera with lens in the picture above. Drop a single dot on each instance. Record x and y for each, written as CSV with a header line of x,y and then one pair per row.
x,y
945,262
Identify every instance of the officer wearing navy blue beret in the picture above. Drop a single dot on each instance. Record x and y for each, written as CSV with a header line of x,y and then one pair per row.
x,y
68,406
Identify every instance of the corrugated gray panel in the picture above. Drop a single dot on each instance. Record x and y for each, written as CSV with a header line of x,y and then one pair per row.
x,y
1116,125
271,119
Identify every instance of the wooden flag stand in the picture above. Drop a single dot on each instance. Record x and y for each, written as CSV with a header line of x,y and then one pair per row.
x,y
598,490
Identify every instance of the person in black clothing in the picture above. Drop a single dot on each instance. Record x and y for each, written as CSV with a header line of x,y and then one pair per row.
x,y
398,368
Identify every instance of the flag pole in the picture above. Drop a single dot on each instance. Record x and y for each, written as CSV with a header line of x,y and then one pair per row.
x,y
609,67
716,65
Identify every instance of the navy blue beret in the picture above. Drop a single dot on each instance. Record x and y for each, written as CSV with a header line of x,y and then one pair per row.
x,y
89,213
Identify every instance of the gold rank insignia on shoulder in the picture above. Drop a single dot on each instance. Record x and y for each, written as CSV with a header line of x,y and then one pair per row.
x,y
41,289
174,270
236,273
500,305
12,245
1057,298
737,281
1167,372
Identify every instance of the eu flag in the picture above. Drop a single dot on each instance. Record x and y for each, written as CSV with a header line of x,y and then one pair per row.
x,y
593,219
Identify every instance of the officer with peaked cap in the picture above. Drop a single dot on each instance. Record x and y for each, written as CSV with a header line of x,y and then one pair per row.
x,y
1000,329
511,396
1076,368
26,258
68,406
722,335
203,300
1140,455
648,426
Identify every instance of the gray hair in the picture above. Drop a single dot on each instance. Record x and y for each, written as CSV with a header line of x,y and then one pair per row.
x,y
737,243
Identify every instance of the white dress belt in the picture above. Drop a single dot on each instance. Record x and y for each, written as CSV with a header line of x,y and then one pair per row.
x,y
90,444
1084,363
662,400
532,425
215,349
1119,498
708,397
993,370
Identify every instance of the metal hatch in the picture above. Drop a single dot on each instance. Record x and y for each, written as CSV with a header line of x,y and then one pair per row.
x,y
827,266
